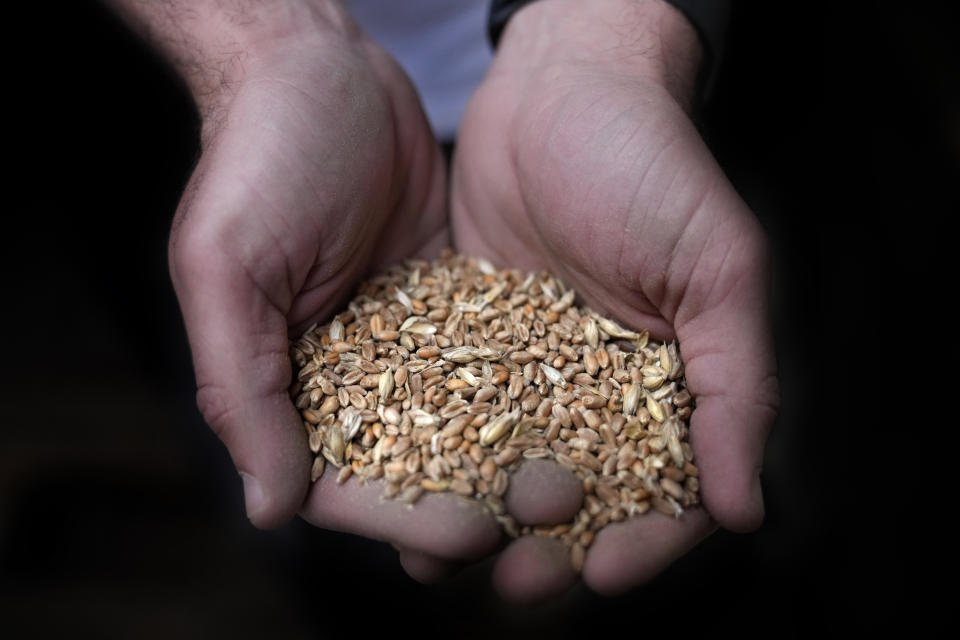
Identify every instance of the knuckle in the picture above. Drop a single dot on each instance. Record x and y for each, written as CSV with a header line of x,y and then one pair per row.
x,y
216,408
766,400
193,247
769,392
188,255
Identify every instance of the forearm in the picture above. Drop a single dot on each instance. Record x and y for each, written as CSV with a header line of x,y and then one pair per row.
x,y
646,39
213,43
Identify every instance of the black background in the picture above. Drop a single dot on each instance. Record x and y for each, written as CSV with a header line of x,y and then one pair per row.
x,y
121,516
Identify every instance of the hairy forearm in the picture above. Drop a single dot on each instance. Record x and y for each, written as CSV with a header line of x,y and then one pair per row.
x,y
212,43
648,39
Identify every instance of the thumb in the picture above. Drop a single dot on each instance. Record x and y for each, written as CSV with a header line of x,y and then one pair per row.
x,y
238,338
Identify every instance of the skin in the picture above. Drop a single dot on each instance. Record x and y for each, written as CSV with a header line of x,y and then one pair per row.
x,y
305,177
576,154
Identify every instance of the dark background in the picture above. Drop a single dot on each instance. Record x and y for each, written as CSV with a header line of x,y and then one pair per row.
x,y
121,516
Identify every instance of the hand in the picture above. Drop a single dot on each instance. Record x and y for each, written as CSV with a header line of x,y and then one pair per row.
x,y
577,154
306,181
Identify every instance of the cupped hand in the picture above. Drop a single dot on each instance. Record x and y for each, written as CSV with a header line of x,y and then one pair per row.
x,y
577,154
317,166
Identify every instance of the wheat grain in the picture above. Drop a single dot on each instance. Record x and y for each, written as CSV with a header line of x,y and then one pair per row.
x,y
445,376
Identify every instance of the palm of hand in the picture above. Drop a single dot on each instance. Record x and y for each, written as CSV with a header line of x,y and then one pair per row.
x,y
605,182
597,180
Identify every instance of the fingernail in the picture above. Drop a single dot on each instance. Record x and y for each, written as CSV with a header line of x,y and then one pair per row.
x,y
252,494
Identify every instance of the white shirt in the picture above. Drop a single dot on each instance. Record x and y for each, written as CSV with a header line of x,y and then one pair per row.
x,y
441,44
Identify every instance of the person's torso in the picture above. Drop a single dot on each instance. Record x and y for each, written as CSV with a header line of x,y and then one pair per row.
x,y
442,45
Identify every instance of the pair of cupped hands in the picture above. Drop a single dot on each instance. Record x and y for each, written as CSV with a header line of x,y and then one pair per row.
x,y
576,154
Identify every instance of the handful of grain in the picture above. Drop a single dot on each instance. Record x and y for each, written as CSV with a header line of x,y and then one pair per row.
x,y
445,376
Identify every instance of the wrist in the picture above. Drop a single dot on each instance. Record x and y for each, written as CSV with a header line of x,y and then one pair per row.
x,y
214,45
648,40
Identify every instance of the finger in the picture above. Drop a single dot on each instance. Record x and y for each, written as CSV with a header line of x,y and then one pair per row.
x,y
543,492
731,371
425,568
532,569
239,343
731,434
631,553
441,525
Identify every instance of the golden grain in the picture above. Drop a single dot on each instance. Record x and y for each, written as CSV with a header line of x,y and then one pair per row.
x,y
446,376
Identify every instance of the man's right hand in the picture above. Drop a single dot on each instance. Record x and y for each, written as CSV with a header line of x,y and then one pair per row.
x,y
317,165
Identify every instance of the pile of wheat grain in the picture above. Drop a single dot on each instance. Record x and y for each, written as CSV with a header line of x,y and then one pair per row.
x,y
446,375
